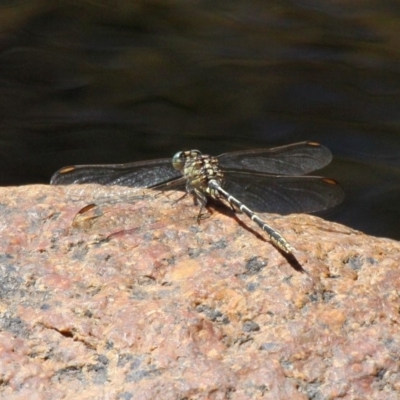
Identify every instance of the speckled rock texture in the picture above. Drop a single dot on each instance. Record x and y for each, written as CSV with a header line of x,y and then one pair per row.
x,y
139,301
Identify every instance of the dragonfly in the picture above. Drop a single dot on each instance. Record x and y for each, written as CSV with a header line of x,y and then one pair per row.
x,y
267,180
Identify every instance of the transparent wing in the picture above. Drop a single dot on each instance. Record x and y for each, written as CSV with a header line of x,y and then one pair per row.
x,y
283,194
145,174
293,159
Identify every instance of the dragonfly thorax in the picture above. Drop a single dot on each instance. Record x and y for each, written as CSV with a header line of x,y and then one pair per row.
x,y
199,170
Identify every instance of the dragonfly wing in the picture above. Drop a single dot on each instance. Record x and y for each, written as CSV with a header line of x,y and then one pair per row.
x,y
144,174
283,194
293,159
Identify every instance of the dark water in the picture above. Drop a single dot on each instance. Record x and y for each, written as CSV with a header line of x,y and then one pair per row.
x,y
106,81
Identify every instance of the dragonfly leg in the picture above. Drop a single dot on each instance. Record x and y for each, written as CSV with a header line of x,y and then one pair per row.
x,y
180,198
200,197
234,209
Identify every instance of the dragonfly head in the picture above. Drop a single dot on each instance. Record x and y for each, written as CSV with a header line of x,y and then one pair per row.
x,y
179,159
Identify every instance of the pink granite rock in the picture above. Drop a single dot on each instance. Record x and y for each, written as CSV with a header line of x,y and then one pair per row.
x,y
142,302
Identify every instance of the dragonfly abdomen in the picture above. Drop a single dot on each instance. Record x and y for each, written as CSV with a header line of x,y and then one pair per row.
x,y
274,236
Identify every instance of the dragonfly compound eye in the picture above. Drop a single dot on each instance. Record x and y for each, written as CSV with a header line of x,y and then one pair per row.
x,y
178,160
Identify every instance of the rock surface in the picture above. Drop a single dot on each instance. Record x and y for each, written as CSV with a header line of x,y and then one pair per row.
x,y
142,302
